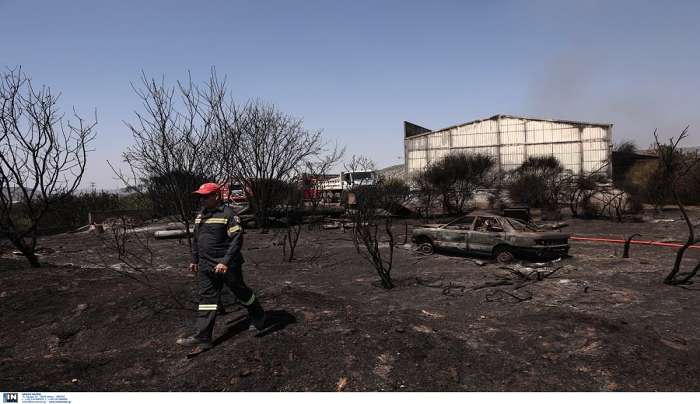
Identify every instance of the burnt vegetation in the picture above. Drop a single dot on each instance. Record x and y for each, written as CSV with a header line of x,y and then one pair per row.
x,y
539,182
42,157
453,180
372,217
675,166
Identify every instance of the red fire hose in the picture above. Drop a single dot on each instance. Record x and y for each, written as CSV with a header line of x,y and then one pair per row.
x,y
642,242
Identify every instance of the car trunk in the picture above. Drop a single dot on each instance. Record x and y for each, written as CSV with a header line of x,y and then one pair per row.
x,y
552,238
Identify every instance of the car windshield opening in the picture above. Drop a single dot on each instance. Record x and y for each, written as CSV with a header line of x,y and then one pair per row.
x,y
520,225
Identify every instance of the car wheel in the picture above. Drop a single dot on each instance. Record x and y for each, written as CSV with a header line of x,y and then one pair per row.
x,y
426,248
503,254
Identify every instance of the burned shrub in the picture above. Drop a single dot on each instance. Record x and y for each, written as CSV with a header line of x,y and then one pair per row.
x,y
539,182
454,179
578,192
675,167
427,193
292,198
372,221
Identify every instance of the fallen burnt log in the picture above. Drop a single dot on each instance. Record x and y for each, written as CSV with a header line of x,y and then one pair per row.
x,y
172,234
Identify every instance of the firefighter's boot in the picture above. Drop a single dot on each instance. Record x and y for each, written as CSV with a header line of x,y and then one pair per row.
x,y
194,341
257,317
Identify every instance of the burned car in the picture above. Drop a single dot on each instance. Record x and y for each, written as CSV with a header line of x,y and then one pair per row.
x,y
500,237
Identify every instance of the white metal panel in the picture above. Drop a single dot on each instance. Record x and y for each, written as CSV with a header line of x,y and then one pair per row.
x,y
482,139
416,154
597,145
512,157
483,133
490,150
589,166
417,162
595,154
436,154
439,139
416,165
569,154
539,149
508,122
512,131
415,143
594,134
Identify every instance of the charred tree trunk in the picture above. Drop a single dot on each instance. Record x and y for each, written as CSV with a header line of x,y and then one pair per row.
x,y
677,165
672,278
291,239
27,250
628,241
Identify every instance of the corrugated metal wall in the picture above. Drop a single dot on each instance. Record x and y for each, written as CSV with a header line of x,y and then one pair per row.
x,y
511,140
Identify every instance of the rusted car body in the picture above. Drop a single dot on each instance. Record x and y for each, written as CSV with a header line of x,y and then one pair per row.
x,y
487,234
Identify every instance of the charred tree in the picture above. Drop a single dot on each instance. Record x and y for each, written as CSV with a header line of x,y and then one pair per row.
x,y
372,220
540,182
675,166
174,148
42,157
454,179
293,218
262,146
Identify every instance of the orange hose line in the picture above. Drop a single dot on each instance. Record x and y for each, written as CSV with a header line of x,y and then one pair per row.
x,y
642,242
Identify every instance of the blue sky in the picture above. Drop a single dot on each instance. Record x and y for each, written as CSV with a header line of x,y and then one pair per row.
x,y
358,69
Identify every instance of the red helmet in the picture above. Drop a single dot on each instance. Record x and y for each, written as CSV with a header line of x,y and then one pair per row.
x,y
208,188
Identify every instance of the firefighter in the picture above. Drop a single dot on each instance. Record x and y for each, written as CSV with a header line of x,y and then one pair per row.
x,y
217,260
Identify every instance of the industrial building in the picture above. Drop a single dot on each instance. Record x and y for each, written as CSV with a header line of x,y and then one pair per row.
x,y
580,146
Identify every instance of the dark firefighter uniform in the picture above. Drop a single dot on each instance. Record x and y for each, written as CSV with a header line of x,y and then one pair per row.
x,y
218,238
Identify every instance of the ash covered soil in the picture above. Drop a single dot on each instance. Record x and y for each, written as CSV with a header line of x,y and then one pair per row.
x,y
601,323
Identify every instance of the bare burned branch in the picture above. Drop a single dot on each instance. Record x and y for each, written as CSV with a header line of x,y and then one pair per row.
x,y
628,241
675,166
174,148
42,157
262,148
371,212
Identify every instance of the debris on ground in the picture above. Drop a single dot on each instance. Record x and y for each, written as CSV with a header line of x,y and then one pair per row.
x,y
544,264
519,276
342,383
590,322
423,328
331,226
433,315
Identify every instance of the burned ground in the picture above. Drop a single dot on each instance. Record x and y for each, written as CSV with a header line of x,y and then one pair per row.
x,y
600,323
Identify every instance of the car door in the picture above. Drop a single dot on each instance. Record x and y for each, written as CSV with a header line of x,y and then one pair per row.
x,y
455,235
483,238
